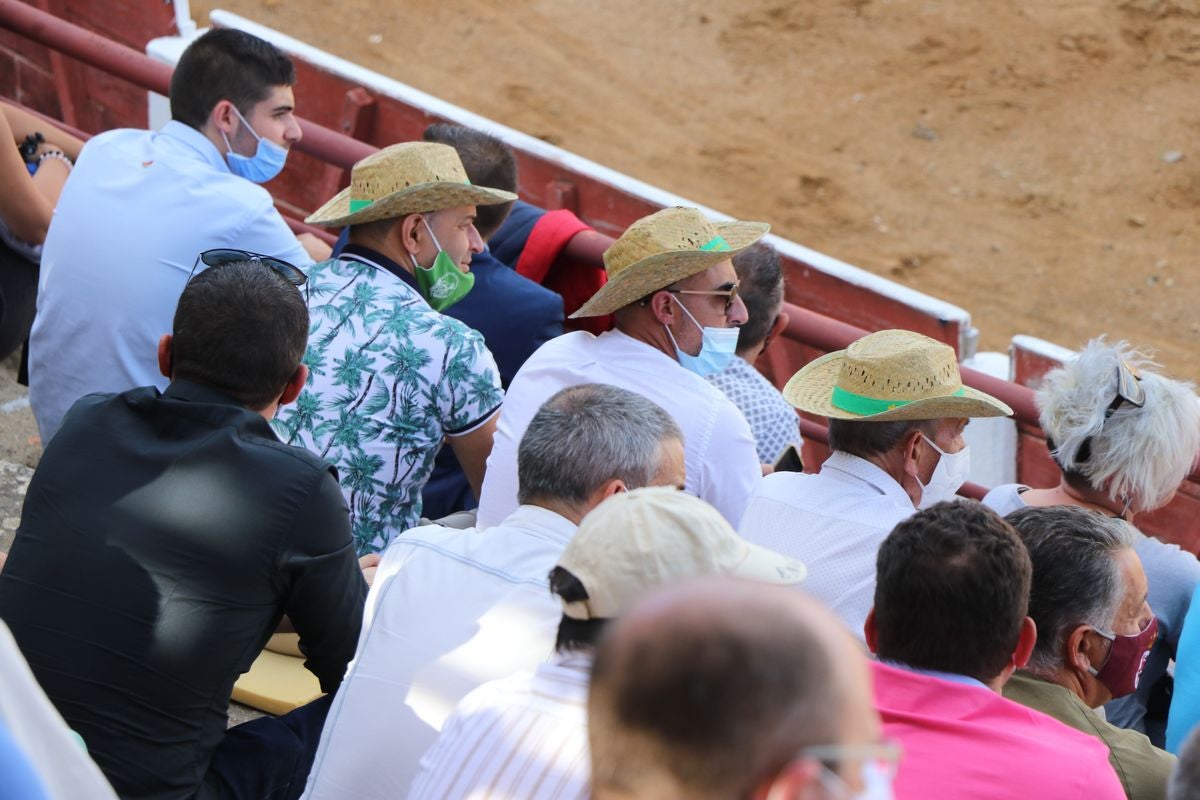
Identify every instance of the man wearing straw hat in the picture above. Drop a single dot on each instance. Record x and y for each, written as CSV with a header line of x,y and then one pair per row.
x,y
672,289
897,408
390,377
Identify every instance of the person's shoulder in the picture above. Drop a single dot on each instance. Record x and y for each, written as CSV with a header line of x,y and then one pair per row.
x,y
1005,498
1169,562
781,486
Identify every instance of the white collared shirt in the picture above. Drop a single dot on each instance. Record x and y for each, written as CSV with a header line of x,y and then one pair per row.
x,y
137,210
524,736
833,521
448,611
719,451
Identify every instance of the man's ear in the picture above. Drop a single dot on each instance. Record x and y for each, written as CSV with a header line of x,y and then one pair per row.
x,y
1075,650
870,632
663,307
223,117
912,445
165,363
1025,642
410,230
294,386
777,328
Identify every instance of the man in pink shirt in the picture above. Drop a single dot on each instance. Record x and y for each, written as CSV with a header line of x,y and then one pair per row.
x,y
949,626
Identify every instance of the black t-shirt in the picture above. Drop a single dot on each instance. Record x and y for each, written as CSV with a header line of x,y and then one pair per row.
x,y
162,538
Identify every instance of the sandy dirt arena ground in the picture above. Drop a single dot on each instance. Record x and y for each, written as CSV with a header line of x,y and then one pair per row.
x,y
1034,162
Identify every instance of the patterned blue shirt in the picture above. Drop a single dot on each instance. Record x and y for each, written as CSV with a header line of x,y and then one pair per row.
x,y
773,422
389,378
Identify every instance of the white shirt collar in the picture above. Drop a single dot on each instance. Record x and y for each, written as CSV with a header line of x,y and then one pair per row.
x,y
541,522
864,471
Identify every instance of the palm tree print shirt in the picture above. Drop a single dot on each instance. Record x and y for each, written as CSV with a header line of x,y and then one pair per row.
x,y
389,378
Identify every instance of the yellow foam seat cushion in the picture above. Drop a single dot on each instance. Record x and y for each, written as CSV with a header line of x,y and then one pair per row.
x,y
278,682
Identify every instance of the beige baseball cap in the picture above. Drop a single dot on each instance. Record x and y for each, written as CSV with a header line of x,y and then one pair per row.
x,y
636,541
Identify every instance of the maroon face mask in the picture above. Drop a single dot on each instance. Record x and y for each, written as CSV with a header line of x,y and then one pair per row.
x,y
1122,670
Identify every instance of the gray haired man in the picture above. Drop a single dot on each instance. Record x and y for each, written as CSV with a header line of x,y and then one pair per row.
x,y
1095,630
452,609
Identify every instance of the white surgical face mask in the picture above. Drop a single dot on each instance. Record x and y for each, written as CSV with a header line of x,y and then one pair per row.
x,y
876,782
948,476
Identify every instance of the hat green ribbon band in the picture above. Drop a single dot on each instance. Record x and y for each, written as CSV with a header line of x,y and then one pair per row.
x,y
866,406
359,205
716,243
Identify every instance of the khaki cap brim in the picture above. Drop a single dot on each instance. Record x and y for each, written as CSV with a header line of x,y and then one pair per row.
x,y
662,269
419,198
811,390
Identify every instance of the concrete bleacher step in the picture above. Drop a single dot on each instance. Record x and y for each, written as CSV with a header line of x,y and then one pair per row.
x,y
14,481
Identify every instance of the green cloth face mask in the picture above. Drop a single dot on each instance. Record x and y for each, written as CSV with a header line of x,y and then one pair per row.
x,y
443,284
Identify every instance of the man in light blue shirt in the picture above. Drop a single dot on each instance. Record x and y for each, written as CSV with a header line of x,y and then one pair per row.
x,y
141,205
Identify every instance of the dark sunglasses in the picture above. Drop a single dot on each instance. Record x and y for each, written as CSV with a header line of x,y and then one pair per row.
x,y
221,256
1129,390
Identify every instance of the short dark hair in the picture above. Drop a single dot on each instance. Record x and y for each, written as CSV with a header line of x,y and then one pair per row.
x,y
1076,578
865,439
573,634
951,591
761,274
226,64
241,329
488,162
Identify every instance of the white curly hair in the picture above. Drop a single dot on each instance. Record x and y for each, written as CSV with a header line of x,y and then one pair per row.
x,y
1139,456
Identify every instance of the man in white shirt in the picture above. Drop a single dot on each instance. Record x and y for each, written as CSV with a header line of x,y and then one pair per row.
x,y
141,206
673,291
526,735
452,609
897,408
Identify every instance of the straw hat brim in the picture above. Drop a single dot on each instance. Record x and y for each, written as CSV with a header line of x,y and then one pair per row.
x,y
811,390
649,274
413,199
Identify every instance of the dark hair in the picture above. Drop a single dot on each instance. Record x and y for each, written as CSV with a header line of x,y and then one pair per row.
x,y
488,162
573,634
761,275
241,329
865,439
226,64
951,591
1076,578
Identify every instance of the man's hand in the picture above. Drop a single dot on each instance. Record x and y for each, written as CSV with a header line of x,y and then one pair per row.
x,y
316,248
368,564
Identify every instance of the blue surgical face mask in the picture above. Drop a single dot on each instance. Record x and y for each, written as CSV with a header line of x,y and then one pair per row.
x,y
265,164
717,348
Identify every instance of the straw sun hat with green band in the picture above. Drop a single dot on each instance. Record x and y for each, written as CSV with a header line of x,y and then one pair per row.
x,y
889,376
407,178
665,247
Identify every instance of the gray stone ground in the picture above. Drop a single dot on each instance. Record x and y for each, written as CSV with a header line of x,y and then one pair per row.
x,y
20,449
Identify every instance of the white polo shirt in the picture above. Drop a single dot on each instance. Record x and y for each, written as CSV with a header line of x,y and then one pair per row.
x,y
834,522
523,736
719,450
448,611
134,214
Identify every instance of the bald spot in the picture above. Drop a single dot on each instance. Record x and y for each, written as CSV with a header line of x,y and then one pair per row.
x,y
709,687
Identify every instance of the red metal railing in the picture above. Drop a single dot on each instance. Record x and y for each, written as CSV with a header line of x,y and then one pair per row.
x,y
805,327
